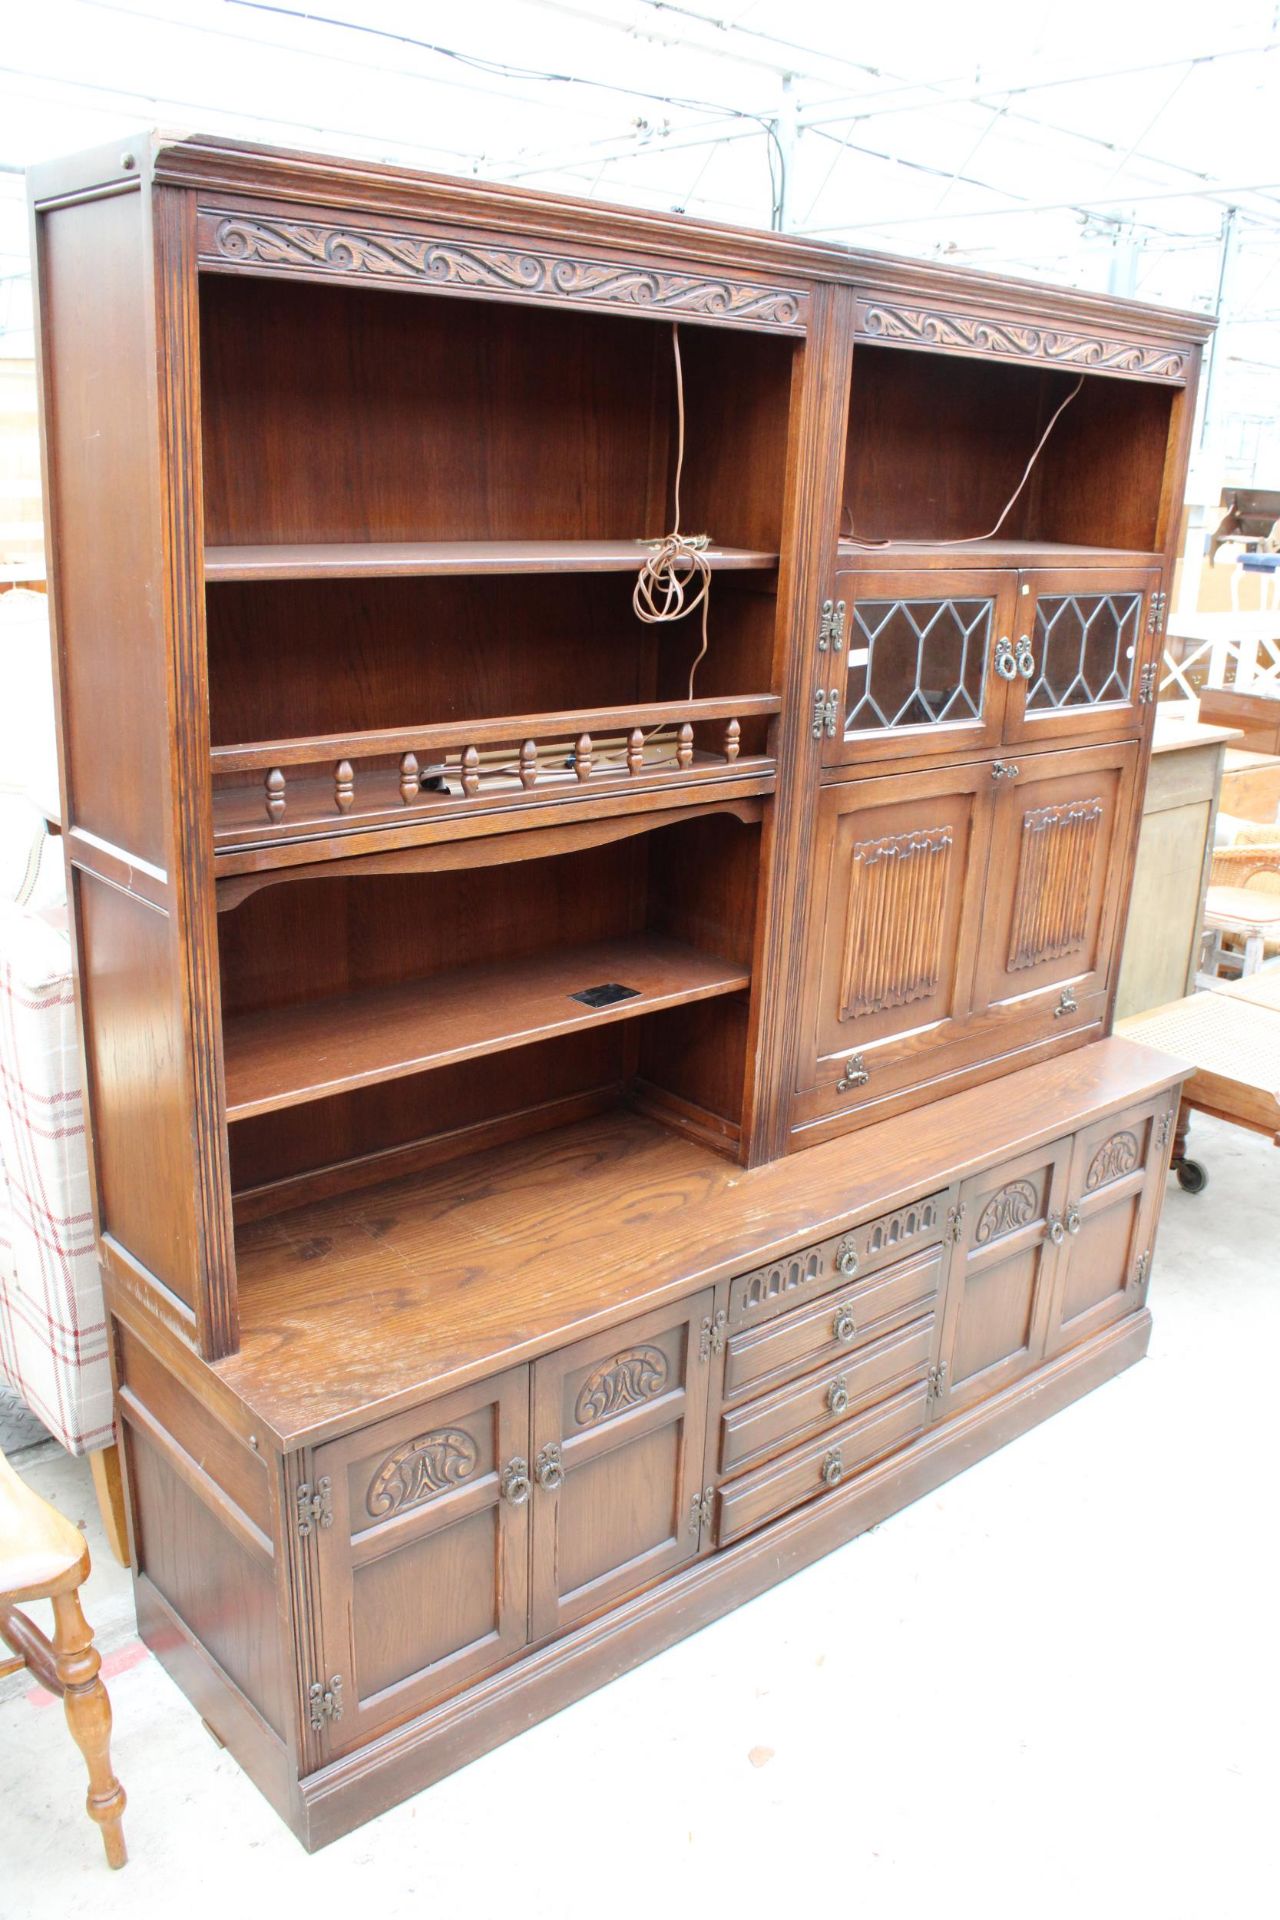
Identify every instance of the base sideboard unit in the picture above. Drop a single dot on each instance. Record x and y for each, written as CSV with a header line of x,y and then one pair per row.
x,y
590,1111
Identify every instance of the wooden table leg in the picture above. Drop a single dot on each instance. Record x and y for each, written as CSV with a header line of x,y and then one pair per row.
x,y
89,1718
109,1487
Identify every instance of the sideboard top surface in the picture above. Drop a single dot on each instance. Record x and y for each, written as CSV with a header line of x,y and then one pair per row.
x,y
358,1306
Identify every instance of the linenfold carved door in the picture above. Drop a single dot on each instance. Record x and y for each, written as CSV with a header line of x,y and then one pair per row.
x,y
424,1563
619,1434
1052,898
894,923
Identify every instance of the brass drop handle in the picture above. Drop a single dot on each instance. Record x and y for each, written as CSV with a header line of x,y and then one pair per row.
x,y
844,1326
838,1394
832,1470
1073,1218
1026,660
1005,663
846,1258
516,1484
550,1469
856,1074
1057,1232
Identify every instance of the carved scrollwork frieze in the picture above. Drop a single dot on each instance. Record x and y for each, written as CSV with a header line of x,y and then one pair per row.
x,y
1009,339
453,265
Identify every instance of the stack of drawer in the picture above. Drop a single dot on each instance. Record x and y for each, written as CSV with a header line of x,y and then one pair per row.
x,y
828,1362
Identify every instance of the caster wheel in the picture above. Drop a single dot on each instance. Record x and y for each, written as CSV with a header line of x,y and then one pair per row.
x,y
1192,1177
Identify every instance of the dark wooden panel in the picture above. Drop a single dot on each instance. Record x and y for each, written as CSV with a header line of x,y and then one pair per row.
x,y
225,1595
138,1093
101,454
241,1473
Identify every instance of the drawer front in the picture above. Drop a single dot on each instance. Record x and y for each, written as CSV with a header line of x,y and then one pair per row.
x,y
811,1271
836,1325
823,1465
762,1427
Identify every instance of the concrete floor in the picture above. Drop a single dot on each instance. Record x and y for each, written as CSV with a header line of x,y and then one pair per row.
x,y
1048,1689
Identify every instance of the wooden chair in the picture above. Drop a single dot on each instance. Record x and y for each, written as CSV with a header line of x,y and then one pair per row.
x,y
1235,908
43,1557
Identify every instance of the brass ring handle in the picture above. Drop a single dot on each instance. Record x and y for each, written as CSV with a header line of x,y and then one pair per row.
x,y
516,1484
1073,1219
846,1258
1057,1232
838,1394
832,1470
1026,660
550,1469
844,1326
1005,663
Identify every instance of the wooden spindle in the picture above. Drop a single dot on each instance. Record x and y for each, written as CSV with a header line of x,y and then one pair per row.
x,y
275,793
344,785
635,751
409,788
470,771
528,763
582,758
684,745
732,739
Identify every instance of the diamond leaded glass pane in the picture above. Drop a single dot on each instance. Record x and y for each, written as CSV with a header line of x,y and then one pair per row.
x,y
1085,645
916,663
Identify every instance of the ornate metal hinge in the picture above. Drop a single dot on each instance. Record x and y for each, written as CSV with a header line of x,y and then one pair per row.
x,y
831,713
1147,685
315,1505
700,1511
713,1335
831,626
1165,1128
1141,1268
955,1223
326,1702
1156,610
1067,1003
856,1074
937,1382
819,711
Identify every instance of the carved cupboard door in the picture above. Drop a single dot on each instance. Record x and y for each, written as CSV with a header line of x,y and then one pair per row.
x,y
893,926
1082,643
917,664
1113,1206
619,1433
1052,908
1001,1281
424,1565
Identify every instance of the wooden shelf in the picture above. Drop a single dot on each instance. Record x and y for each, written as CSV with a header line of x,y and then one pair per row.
x,y
413,1291
992,553
295,1054
385,559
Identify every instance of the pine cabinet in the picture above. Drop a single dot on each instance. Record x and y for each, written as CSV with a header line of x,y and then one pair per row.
x,y
960,912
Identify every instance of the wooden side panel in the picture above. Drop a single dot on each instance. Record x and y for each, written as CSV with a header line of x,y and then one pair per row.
x,y
118,393
137,1093
98,422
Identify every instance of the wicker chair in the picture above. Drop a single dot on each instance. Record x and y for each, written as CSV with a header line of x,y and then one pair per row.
x,y
1243,905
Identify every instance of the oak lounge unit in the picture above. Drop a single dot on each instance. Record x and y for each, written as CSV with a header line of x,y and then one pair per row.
x,y
547,1173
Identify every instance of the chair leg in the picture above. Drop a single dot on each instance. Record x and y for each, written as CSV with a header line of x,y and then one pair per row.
x,y
89,1718
109,1487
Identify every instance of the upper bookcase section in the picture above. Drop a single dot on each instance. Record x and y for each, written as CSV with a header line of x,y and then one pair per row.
x,y
350,429
938,444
